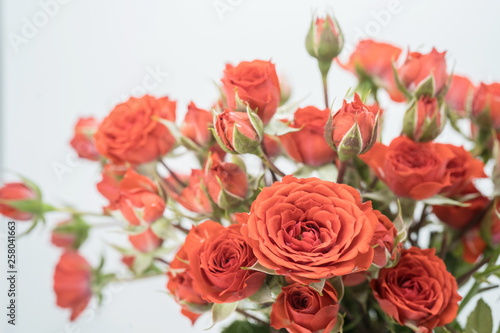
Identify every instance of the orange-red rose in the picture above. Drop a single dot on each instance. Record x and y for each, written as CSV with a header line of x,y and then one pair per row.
x,y
224,181
216,256
134,195
83,138
180,285
195,125
301,309
132,132
254,82
419,67
230,126
309,229
418,292
410,169
460,91
15,192
308,145
72,279
486,105
146,241
193,195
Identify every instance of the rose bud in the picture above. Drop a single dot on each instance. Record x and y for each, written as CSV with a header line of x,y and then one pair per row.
x,y
293,227
196,125
424,119
238,132
285,90
72,283
410,169
217,256
383,240
353,129
180,285
255,83
462,167
298,145
133,132
459,95
135,196
300,308
192,196
325,40
474,242
12,193
271,145
418,292
486,106
83,139
226,183
70,234
146,241
420,68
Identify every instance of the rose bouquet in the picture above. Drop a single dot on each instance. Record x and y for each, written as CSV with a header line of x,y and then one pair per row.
x,y
297,219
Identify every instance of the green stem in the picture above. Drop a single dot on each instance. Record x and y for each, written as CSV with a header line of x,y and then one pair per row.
x,y
267,161
341,172
76,212
250,316
325,90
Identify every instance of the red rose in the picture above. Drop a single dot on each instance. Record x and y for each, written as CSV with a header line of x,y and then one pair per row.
x,y
253,82
146,241
462,167
134,195
133,133
195,125
418,292
301,309
216,257
72,279
373,59
457,97
310,229
458,217
15,192
419,67
410,169
236,132
180,285
83,139
383,240
193,196
225,181
298,145
354,128
486,105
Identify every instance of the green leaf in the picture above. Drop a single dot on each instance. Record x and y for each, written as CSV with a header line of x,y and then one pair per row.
x,y
142,262
480,320
278,127
221,311
163,229
439,200
318,286
426,87
498,331
338,328
263,295
240,326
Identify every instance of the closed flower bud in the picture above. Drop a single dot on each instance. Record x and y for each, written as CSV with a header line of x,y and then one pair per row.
x,y
424,120
238,132
83,139
353,129
70,234
324,40
486,106
459,95
12,193
226,183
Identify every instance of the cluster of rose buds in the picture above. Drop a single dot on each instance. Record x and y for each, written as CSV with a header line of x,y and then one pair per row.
x,y
294,250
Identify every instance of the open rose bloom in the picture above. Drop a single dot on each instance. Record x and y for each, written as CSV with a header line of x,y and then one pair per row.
x,y
300,217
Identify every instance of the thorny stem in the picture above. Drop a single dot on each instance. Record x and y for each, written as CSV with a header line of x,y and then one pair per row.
x,y
162,260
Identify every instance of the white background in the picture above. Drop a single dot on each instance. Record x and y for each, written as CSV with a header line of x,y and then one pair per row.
x,y
91,54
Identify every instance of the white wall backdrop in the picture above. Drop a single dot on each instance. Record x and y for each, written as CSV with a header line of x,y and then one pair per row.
x,y
68,58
